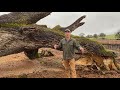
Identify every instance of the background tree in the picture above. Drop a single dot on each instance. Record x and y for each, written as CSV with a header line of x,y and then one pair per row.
x,y
81,34
102,35
117,35
89,36
95,36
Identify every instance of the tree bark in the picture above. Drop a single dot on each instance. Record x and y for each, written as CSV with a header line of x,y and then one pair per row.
x,y
15,42
23,17
76,24
31,37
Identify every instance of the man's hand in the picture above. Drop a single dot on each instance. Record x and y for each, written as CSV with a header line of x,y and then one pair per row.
x,y
55,46
82,50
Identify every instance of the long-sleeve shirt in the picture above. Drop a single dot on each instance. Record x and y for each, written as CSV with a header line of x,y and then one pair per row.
x,y
68,48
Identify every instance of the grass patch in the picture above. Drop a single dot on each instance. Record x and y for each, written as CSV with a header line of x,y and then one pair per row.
x,y
12,25
112,36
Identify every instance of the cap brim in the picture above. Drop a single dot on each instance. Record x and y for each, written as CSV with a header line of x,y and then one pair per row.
x,y
67,31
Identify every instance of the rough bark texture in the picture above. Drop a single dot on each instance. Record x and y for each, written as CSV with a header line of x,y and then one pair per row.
x,y
23,17
76,24
28,37
15,42
18,33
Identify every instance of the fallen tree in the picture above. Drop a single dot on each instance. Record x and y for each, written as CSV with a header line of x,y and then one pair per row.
x,y
19,33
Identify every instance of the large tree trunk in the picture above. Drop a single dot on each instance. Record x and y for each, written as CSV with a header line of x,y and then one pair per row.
x,y
15,42
23,17
28,38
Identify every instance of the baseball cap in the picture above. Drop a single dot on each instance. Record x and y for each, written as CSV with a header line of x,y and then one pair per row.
x,y
67,30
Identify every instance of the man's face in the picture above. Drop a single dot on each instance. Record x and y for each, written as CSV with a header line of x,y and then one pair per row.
x,y
67,34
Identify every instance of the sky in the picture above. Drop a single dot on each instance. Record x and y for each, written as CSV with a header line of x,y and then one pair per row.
x,y
95,22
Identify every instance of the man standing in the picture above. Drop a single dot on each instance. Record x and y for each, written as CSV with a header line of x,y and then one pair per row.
x,y
68,45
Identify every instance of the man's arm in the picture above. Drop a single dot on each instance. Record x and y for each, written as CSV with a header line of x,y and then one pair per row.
x,y
78,47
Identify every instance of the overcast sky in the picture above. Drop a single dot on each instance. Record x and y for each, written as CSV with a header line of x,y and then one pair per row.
x,y
96,22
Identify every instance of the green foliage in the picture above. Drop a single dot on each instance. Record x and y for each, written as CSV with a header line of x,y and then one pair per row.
x,y
117,35
102,35
95,36
89,36
12,25
81,34
73,36
111,36
92,46
95,47
56,29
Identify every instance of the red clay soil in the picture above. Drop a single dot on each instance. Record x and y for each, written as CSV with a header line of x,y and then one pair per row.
x,y
19,66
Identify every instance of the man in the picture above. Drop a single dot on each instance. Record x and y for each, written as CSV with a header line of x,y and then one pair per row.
x,y
68,45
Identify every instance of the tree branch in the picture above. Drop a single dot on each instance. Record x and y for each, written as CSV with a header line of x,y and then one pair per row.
x,y
23,17
75,25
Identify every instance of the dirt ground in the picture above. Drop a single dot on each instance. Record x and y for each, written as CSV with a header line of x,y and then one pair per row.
x,y
19,66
